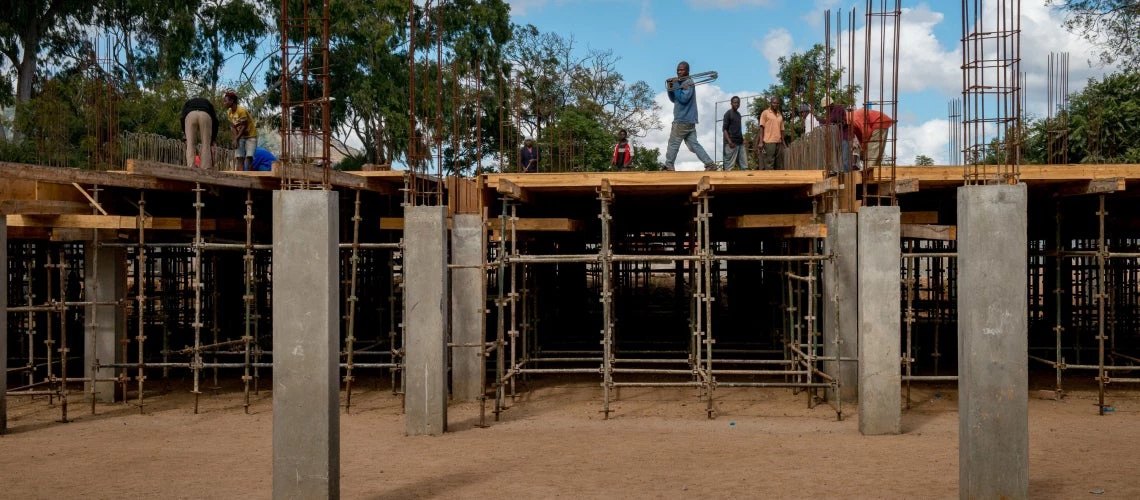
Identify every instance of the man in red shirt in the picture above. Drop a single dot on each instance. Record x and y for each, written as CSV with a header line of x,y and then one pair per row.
x,y
871,128
623,152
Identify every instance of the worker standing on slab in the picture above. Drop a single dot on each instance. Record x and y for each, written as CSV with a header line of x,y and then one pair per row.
x,y
200,128
244,130
810,122
834,114
734,155
528,157
623,152
683,94
871,128
770,140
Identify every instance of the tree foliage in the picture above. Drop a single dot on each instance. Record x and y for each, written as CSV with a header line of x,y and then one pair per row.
x,y
1112,25
923,161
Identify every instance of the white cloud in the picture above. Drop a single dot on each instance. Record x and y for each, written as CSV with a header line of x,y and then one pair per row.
x,y
522,7
708,131
814,17
645,22
776,44
728,4
930,138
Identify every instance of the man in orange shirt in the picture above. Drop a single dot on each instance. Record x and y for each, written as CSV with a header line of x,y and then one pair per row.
x,y
871,128
771,136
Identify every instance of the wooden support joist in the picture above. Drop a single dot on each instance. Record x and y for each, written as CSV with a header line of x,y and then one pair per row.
x,y
605,188
513,191
337,178
209,177
794,220
42,207
122,222
825,186
903,186
704,186
807,231
527,224
918,218
1095,186
57,175
928,232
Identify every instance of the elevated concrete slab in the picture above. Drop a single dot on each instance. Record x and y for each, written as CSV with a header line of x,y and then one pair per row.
x,y
425,320
880,378
993,377
306,352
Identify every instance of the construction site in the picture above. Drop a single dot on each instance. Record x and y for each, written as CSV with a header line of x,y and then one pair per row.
x,y
966,329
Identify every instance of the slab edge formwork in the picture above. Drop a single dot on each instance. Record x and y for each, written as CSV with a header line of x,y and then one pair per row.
x,y
306,312
993,392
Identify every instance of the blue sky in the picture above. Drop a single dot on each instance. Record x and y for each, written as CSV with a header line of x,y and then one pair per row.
x,y
742,39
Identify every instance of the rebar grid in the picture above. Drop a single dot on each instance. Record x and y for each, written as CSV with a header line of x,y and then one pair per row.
x,y
881,93
1057,109
991,91
300,41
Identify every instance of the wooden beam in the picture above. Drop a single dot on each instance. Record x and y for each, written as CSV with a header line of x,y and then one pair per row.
x,y
121,222
807,231
41,207
198,175
703,187
513,191
523,224
825,186
904,186
1095,186
928,232
65,176
767,220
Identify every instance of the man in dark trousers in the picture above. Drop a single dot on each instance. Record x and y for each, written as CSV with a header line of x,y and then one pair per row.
x,y
528,157
199,125
734,155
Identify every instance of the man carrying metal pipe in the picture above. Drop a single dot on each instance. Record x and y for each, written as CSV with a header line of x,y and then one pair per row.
x,y
683,94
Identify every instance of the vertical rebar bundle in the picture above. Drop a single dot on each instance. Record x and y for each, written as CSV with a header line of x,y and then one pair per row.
x,y
991,91
880,93
305,35
1057,111
954,116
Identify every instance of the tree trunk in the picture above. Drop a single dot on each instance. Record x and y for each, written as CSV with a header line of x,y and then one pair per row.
x,y
27,69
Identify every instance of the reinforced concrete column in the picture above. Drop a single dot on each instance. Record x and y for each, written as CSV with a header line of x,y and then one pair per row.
x,y
306,352
880,378
841,303
993,397
3,323
468,300
106,281
425,319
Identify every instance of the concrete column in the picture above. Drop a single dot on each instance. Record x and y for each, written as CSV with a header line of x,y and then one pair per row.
x,y
993,392
106,281
468,300
880,379
306,353
425,320
3,323
841,303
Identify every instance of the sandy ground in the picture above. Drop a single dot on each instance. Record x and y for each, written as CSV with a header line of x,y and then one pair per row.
x,y
554,443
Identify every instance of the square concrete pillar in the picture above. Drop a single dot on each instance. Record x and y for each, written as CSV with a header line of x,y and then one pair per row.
x,y
3,323
468,300
425,319
880,378
841,303
993,392
306,353
106,281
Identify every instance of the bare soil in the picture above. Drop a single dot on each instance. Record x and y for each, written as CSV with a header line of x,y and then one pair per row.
x,y
554,442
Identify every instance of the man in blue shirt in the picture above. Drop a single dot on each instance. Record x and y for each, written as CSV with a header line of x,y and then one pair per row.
x,y
262,160
683,95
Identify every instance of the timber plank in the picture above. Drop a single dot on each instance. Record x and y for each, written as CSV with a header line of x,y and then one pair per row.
x,y
37,207
60,175
928,232
197,175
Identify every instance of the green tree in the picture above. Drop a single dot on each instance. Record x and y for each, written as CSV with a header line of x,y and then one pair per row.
x,y
923,161
1111,25
32,30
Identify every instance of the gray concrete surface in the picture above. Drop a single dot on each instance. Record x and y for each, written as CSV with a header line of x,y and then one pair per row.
x,y
840,291
306,352
993,392
468,300
106,281
425,320
880,379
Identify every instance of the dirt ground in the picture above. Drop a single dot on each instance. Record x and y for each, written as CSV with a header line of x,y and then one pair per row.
x,y
554,443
